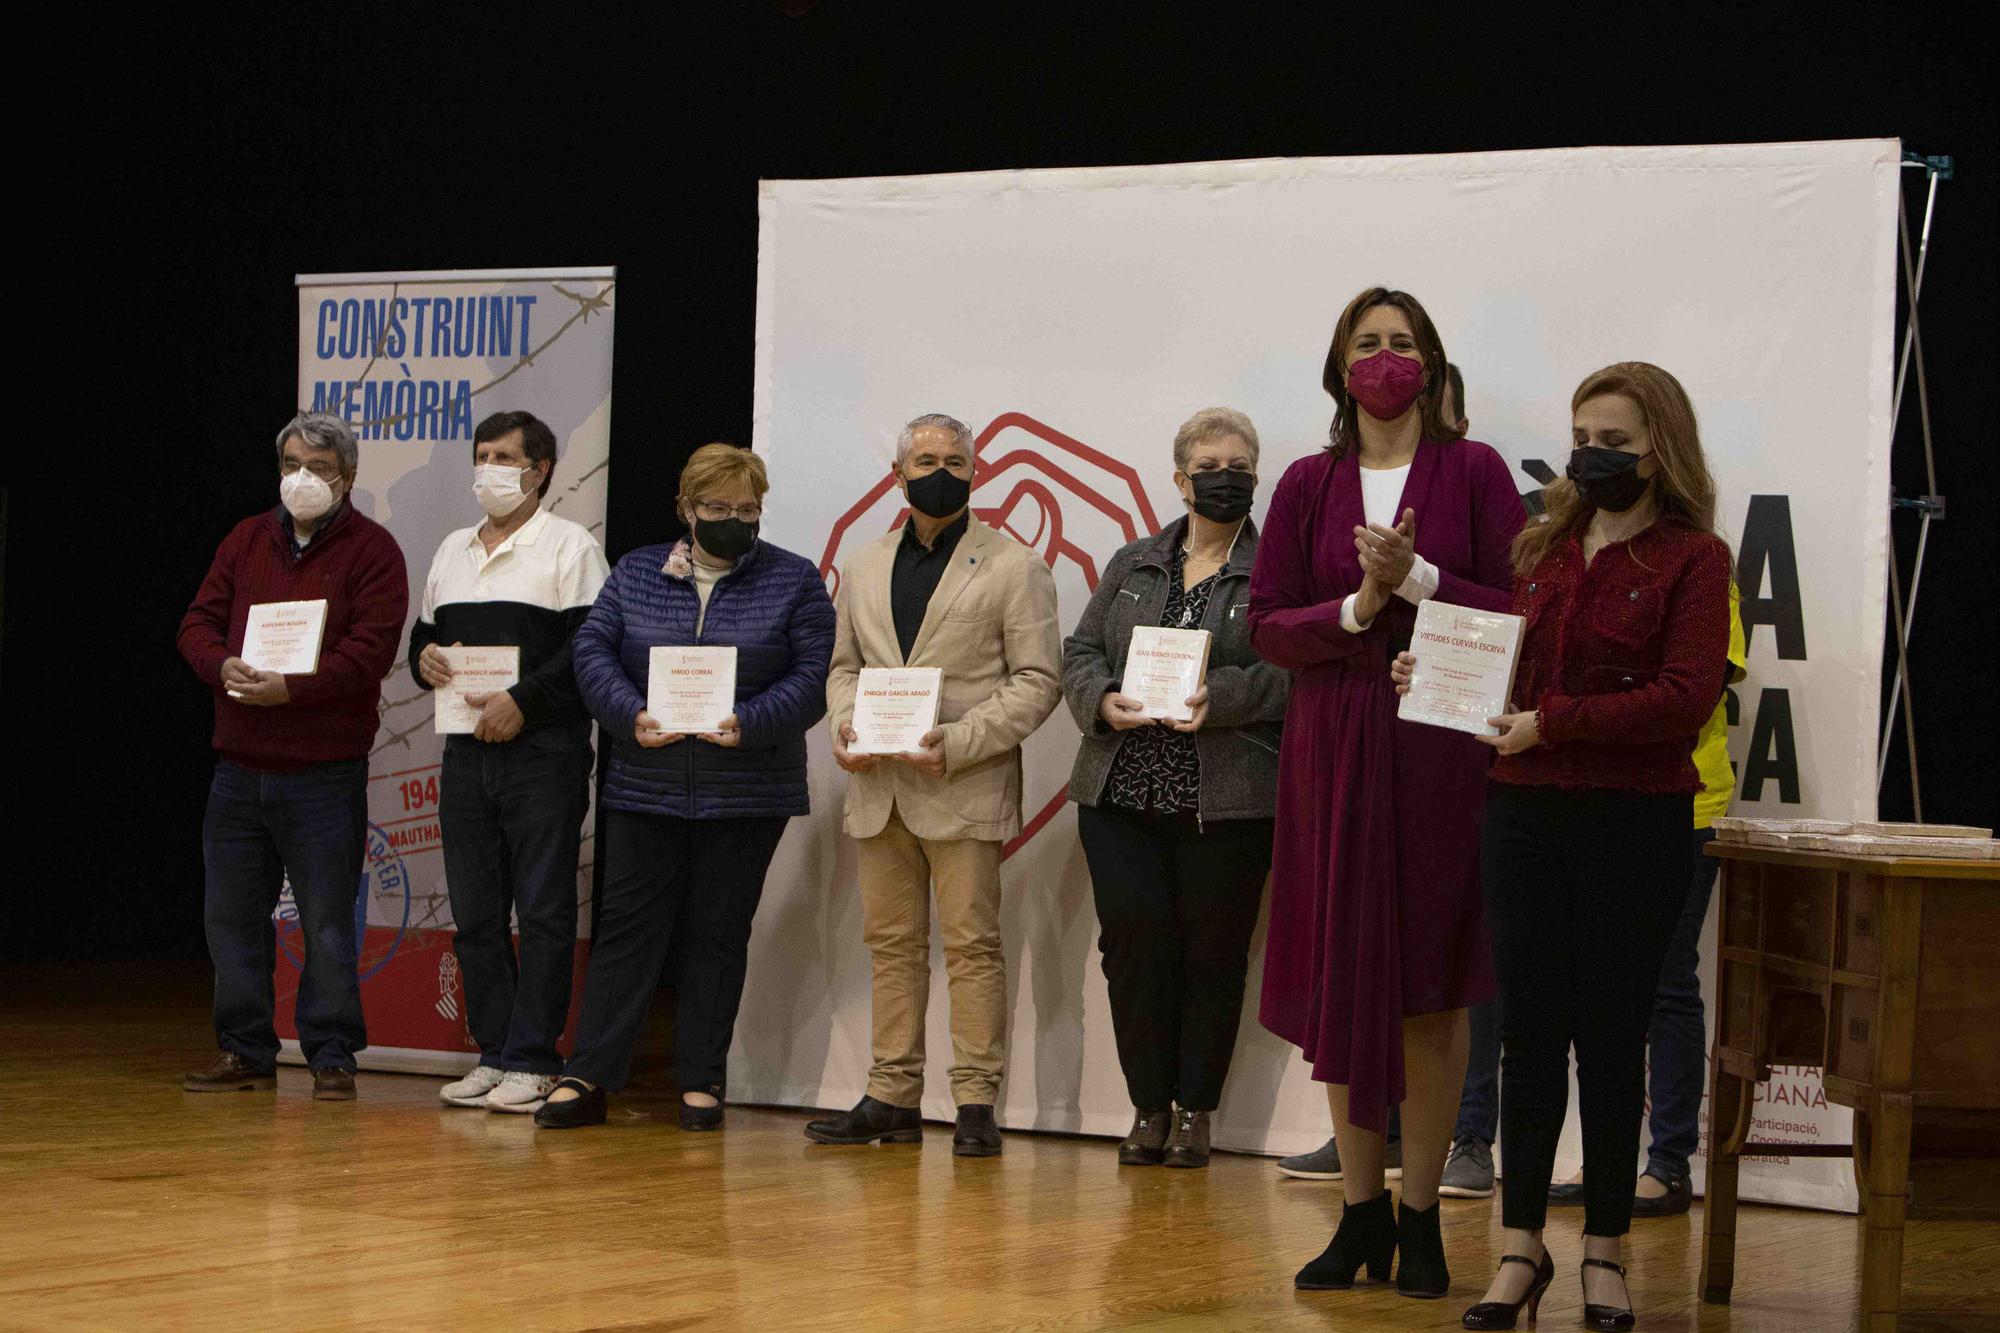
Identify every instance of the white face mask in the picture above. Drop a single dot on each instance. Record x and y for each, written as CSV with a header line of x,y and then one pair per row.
x,y
498,488
305,496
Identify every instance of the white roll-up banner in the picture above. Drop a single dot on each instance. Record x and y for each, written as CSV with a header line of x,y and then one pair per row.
x,y
1076,317
414,361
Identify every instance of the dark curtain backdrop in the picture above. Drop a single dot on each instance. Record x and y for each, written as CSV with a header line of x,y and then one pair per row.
x,y
182,167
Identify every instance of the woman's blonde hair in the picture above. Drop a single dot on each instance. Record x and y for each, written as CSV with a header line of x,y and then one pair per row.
x,y
1212,423
1683,488
714,467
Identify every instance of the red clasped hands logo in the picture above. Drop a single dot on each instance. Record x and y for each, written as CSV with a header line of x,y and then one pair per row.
x,y
1073,504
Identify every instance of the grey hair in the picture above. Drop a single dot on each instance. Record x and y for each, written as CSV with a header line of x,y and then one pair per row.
x,y
961,433
323,430
1212,423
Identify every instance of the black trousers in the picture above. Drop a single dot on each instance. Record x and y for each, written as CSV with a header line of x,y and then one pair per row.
x,y
1582,892
685,889
511,816
1176,906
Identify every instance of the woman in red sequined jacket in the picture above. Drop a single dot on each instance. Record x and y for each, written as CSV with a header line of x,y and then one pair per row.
x,y
1585,853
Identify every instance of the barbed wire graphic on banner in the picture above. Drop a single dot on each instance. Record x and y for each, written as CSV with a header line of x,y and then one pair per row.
x,y
587,305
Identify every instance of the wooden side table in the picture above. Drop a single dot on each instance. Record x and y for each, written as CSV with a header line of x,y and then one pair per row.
x,y
1885,973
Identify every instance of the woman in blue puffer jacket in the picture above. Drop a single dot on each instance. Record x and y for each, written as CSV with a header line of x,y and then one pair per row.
x,y
691,821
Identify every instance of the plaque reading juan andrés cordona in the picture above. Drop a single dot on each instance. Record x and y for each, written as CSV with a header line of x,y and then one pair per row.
x,y
1465,667
1163,669
894,708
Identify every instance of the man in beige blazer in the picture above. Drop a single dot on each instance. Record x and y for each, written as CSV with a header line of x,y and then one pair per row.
x,y
944,591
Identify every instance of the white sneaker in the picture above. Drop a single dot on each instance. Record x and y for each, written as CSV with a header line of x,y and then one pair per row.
x,y
472,1089
520,1093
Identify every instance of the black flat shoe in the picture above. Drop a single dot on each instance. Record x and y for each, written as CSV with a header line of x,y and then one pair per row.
x,y
1500,1314
869,1121
1569,1194
975,1134
1367,1236
1189,1145
1147,1143
587,1108
1420,1269
1676,1201
699,1119
1607,1318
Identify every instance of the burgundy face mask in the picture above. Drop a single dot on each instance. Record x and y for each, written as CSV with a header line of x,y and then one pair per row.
x,y
1385,384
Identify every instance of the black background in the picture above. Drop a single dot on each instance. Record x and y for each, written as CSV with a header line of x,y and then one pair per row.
x,y
184,170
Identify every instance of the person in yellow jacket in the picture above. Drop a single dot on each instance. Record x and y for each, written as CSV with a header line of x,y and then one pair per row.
x,y
1677,1046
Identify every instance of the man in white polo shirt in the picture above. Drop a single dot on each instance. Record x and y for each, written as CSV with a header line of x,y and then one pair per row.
x,y
513,793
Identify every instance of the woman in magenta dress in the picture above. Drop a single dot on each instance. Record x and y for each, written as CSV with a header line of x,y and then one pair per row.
x,y
1377,942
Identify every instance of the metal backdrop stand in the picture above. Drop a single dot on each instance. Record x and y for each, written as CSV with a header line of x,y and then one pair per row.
x,y
1928,506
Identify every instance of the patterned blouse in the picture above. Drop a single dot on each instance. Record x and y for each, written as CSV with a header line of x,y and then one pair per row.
x,y
1157,769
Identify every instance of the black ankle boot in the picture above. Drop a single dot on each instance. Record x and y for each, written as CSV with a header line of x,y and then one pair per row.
x,y
975,1135
868,1121
1367,1235
1420,1272
1188,1145
1146,1145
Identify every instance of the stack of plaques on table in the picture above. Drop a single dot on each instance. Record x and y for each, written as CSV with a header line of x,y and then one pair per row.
x,y
1864,837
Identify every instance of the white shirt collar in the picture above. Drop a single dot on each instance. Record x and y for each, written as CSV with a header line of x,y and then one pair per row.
x,y
525,535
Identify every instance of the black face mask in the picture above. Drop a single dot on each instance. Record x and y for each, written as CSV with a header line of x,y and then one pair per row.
x,y
1222,495
725,538
939,494
1607,479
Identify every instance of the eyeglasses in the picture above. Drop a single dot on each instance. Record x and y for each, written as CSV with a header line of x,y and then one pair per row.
x,y
715,511
326,472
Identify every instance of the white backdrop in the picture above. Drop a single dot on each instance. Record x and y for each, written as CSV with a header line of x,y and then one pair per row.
x,y
1076,317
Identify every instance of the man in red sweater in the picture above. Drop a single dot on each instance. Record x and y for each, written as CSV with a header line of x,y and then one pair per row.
x,y
290,795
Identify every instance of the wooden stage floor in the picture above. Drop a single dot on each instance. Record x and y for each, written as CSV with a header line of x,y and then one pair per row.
x,y
132,1205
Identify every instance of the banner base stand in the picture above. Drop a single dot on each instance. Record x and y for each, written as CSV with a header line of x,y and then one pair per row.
x,y
394,1059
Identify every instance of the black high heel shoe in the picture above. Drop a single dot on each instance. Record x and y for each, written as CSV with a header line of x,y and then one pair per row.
x,y
1367,1235
1420,1271
1500,1314
1608,1318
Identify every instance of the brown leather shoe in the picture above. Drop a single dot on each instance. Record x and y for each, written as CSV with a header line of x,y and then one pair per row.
x,y
1148,1139
333,1085
1188,1144
230,1073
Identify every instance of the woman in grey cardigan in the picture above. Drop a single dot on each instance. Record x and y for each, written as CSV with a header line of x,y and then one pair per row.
x,y
1175,817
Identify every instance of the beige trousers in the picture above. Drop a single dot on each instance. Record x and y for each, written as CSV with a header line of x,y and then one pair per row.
x,y
898,873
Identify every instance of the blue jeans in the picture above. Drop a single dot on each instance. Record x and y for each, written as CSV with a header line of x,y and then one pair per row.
x,y
1479,1101
512,818
1678,1037
261,828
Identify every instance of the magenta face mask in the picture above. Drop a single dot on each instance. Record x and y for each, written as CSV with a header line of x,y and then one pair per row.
x,y
1385,384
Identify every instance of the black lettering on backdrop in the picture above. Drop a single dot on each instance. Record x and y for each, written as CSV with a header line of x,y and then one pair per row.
x,y
1767,543
1774,751
1732,713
